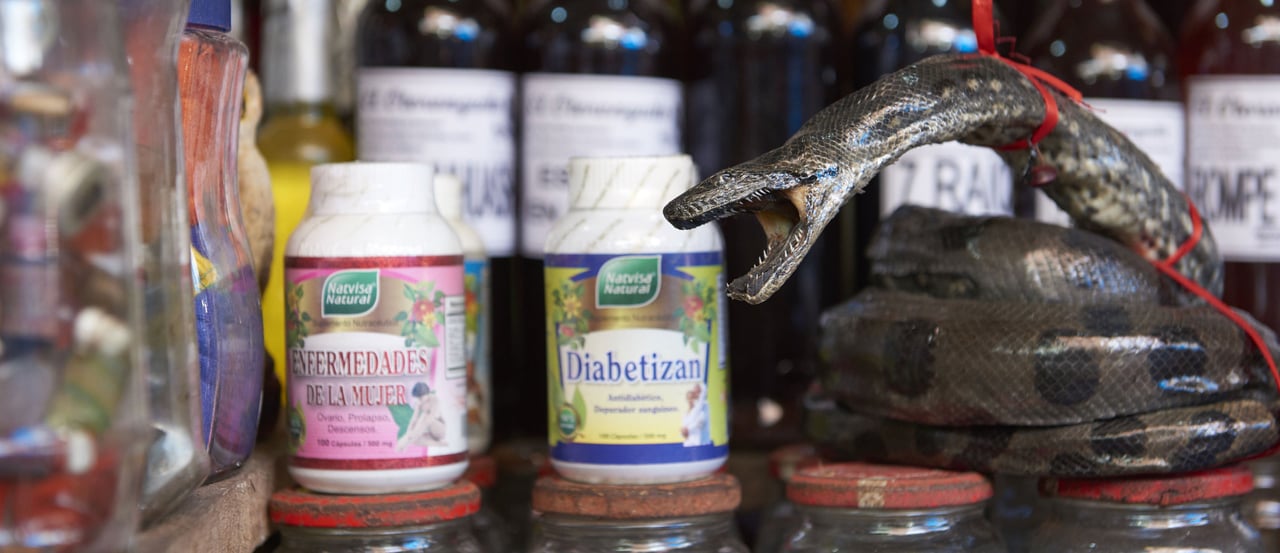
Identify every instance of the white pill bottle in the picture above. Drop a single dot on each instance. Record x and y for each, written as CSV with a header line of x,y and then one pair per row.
x,y
374,329
636,371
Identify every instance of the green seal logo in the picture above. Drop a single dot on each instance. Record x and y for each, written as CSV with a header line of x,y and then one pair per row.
x,y
350,293
632,281
567,421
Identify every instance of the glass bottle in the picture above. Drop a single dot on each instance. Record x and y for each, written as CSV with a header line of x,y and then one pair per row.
x,y
860,508
1121,58
176,461
759,70
1229,61
951,176
690,517
211,69
600,79
490,530
73,427
436,521
301,130
435,84
1262,507
782,516
1197,512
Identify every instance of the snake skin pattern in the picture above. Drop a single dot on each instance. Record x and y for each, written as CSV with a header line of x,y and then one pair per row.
x,y
999,345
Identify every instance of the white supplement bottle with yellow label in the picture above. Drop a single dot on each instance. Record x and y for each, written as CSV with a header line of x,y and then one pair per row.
x,y
636,371
449,195
374,322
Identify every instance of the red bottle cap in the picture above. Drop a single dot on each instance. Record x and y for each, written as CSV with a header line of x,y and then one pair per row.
x,y
1164,490
786,460
482,471
298,507
718,493
866,486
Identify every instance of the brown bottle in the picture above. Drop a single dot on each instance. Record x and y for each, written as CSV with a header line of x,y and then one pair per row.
x,y
952,176
600,78
759,70
1121,58
1230,65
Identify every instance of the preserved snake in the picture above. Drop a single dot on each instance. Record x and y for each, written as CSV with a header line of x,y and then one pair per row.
x,y
1001,345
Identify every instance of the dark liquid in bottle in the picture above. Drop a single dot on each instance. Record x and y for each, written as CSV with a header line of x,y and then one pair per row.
x,y
759,70
559,39
1239,38
464,34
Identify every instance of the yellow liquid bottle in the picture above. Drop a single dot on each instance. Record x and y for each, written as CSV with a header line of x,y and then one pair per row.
x,y
302,129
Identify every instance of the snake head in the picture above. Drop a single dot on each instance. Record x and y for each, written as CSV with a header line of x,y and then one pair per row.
x,y
792,199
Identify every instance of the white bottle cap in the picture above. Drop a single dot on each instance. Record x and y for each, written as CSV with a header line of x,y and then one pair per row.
x,y
449,197
628,182
373,188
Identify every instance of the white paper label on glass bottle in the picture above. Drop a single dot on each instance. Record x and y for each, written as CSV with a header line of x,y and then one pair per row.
x,y
1233,160
1158,128
460,121
586,115
951,176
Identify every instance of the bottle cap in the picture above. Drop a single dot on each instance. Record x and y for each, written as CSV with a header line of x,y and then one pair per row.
x,y
867,486
718,493
628,182
482,471
449,197
373,188
211,14
296,37
1178,489
786,460
299,507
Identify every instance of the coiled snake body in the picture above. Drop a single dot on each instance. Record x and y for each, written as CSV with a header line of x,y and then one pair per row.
x,y
1003,345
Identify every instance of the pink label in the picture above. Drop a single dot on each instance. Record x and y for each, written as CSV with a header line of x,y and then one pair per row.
x,y
377,361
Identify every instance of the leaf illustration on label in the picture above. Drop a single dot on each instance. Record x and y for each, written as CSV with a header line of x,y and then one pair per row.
x,y
633,281
349,293
580,405
402,414
297,426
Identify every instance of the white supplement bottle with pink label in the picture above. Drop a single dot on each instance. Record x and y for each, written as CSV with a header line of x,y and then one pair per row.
x,y
375,322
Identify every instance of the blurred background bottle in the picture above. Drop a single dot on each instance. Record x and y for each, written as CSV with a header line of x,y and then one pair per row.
x,y
951,176
758,70
601,78
1118,54
301,130
435,85
1230,64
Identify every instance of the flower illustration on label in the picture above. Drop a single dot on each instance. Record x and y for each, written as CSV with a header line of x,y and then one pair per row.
x,y
350,293
418,325
295,323
570,317
696,312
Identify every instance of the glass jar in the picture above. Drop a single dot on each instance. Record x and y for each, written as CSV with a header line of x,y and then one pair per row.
x,y
211,69
862,508
176,461
691,517
490,529
72,380
1180,514
434,521
780,520
1262,507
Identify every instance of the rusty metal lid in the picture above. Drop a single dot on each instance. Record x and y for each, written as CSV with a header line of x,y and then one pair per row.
x,y
786,460
482,471
867,486
1165,490
718,493
298,507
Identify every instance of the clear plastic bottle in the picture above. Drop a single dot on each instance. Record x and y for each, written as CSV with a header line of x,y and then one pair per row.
x,y
437,521
1196,512
211,69
635,329
859,508
689,517
781,518
375,316
177,461
491,531
73,428
449,197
